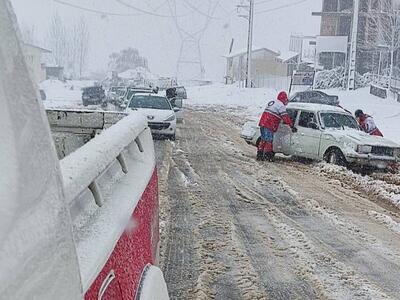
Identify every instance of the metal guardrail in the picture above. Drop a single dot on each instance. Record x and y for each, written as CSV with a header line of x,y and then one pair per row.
x,y
386,81
82,168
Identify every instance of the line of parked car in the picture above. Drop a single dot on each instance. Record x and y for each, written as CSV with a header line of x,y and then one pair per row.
x,y
327,132
163,112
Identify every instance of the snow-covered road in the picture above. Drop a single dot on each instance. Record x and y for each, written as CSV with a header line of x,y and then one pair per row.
x,y
235,228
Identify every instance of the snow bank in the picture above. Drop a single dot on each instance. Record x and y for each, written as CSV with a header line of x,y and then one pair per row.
x,y
61,94
373,187
251,101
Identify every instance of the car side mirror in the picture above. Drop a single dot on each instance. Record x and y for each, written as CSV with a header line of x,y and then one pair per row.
x,y
176,109
313,125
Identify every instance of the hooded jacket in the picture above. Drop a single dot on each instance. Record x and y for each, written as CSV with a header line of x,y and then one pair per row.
x,y
275,112
368,125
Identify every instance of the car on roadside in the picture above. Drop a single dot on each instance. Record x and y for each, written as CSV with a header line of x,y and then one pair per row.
x,y
177,95
159,113
93,95
328,133
316,97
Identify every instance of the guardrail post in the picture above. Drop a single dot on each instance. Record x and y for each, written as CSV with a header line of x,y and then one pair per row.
x,y
122,162
98,197
139,144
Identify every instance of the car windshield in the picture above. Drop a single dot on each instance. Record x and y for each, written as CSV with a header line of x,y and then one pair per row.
x,y
152,102
337,120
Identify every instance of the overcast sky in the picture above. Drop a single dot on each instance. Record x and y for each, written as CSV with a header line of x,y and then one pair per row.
x,y
156,36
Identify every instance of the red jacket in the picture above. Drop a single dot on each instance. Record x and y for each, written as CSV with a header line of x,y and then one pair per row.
x,y
368,125
274,113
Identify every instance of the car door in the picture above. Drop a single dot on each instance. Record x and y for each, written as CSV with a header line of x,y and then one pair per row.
x,y
306,141
283,136
178,104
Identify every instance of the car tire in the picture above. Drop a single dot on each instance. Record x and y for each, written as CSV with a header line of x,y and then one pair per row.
x,y
335,157
173,137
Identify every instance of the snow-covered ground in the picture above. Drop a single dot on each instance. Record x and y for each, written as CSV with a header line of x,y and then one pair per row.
x,y
61,94
250,103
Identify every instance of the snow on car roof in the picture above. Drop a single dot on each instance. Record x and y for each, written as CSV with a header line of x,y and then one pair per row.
x,y
149,94
316,107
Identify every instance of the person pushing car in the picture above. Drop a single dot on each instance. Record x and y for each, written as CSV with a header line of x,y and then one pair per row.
x,y
367,123
274,113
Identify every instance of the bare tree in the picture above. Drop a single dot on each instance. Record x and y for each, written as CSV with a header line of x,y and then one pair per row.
x,y
70,46
58,40
79,41
383,21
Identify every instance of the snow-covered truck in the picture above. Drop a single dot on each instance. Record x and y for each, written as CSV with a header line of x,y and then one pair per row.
x,y
83,224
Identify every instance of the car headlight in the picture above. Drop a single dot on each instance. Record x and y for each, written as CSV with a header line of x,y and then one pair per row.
x,y
170,119
363,149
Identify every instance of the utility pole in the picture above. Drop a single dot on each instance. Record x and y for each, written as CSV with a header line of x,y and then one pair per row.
x,y
250,44
351,84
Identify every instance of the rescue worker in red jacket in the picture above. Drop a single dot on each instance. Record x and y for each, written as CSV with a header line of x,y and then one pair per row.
x,y
274,113
367,123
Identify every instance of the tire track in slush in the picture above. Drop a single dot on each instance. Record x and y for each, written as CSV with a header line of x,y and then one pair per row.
x,y
243,234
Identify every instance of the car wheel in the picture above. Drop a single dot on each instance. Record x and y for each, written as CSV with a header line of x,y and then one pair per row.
x,y
336,157
173,137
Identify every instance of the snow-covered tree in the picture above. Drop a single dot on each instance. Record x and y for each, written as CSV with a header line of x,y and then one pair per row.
x,y
127,59
383,21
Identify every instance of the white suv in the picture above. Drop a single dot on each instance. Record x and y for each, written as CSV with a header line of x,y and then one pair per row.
x,y
328,133
158,111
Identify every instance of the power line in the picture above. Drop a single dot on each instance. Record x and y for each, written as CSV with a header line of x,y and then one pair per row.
x,y
146,12
94,10
158,7
281,7
198,10
264,1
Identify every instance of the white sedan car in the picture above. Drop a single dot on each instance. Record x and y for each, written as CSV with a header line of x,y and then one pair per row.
x,y
159,112
328,133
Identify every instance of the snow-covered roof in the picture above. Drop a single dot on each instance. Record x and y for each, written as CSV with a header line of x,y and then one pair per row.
x,y
37,47
283,56
244,51
316,107
287,55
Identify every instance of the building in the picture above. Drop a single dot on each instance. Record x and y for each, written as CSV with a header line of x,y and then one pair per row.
x,y
336,20
306,47
34,61
268,66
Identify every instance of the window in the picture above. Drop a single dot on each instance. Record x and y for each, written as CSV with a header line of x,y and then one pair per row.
x,y
339,121
330,6
306,118
293,114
